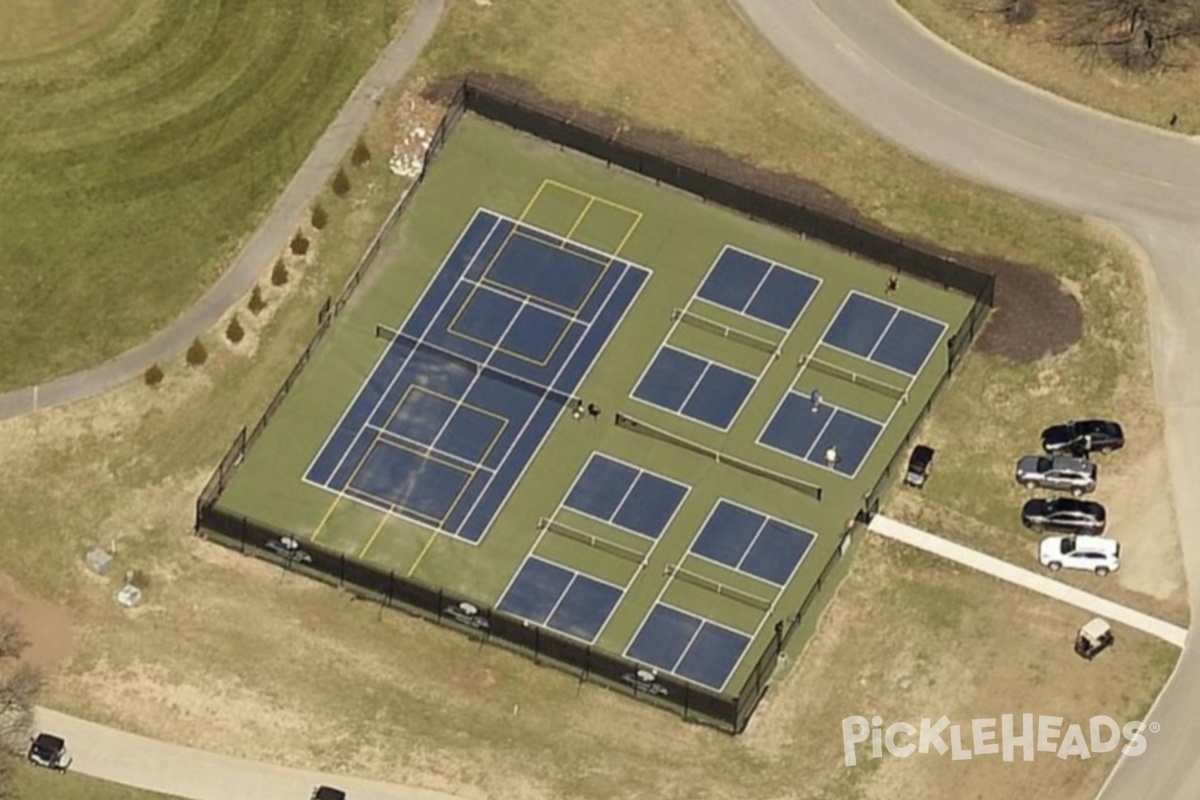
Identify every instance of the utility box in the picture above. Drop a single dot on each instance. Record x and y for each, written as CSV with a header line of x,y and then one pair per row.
x,y
99,561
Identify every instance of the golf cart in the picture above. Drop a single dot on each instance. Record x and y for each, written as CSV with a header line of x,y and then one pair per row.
x,y
49,752
1093,638
328,793
920,464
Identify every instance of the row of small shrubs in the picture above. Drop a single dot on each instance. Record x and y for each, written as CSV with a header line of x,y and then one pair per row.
x,y
197,353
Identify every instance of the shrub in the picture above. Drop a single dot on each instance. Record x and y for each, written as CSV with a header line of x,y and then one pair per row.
x,y
299,244
319,217
197,354
279,273
234,331
361,155
256,303
341,183
154,376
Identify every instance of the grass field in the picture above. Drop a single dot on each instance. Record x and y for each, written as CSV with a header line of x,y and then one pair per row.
x,y
40,784
232,645
126,193
486,165
1028,52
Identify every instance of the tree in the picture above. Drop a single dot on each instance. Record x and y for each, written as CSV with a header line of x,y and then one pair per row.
x,y
154,375
20,685
341,183
361,155
1135,34
279,273
234,331
1014,12
197,353
320,218
257,303
299,244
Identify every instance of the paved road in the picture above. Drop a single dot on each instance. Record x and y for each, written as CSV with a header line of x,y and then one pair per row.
x,y
872,59
199,775
1027,579
262,247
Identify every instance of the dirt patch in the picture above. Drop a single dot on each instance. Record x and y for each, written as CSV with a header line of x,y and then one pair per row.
x,y
46,625
1034,317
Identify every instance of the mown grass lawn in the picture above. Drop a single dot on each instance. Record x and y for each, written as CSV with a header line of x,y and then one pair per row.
x,y
138,149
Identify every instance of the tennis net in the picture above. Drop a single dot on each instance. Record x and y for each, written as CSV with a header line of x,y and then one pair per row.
x,y
603,545
392,335
723,589
724,331
857,378
631,423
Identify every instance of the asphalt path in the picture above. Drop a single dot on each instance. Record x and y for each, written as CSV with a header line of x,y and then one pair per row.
x,y
180,771
263,246
876,62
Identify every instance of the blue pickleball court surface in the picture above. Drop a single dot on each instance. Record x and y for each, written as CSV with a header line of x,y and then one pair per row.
x,y
759,288
626,496
472,383
689,646
798,431
694,387
884,333
752,542
559,598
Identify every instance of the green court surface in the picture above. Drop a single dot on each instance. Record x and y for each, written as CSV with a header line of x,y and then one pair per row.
x,y
677,239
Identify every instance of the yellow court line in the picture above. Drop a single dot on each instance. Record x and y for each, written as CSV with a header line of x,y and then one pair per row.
x,y
383,518
629,233
591,202
595,197
342,492
421,557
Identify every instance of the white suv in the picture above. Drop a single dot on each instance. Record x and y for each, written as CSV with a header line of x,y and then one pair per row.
x,y
1097,554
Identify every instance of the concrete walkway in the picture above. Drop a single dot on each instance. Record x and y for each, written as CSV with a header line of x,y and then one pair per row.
x,y
1027,579
262,247
172,769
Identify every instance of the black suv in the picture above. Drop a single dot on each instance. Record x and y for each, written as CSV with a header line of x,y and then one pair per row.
x,y
1083,437
1064,515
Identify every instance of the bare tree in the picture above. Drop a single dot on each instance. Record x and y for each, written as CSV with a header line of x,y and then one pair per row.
x,y
1139,35
19,687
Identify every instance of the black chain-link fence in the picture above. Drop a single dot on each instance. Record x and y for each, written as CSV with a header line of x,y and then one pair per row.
x,y
728,713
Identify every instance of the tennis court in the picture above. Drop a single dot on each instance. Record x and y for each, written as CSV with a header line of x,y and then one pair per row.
x,y
884,333
440,436
472,382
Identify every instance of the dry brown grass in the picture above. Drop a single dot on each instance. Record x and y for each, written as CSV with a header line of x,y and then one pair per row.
x,y
32,26
1027,52
231,654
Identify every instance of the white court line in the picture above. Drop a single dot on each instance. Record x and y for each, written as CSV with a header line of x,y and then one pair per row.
x,y
883,335
687,490
628,269
505,291
387,390
381,432
771,264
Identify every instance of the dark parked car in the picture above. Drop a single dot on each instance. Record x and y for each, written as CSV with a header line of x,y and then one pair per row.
x,y
328,793
920,464
50,752
1083,437
1064,515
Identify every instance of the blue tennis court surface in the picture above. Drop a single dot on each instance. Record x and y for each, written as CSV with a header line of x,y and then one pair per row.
x,y
472,383
563,599
688,646
799,431
883,333
759,288
695,387
626,496
752,542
